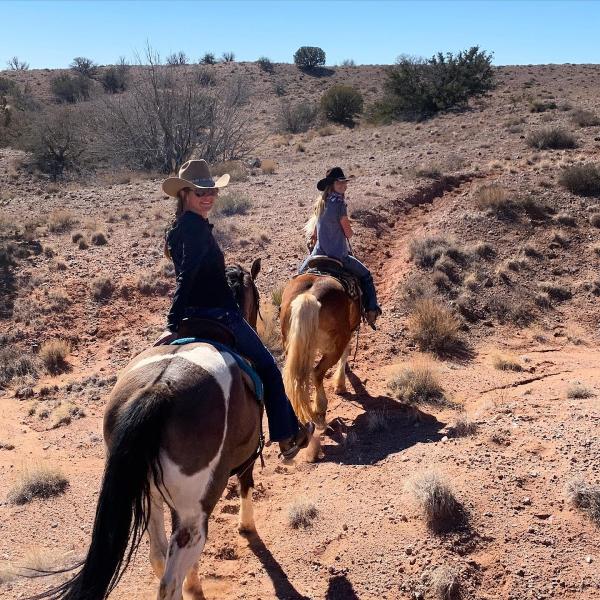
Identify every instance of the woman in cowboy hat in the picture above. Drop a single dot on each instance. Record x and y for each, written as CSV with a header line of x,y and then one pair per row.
x,y
202,291
328,233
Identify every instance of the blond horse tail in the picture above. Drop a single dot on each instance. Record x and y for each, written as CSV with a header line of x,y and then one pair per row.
x,y
301,348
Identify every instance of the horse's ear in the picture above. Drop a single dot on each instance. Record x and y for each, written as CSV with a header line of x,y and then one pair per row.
x,y
255,269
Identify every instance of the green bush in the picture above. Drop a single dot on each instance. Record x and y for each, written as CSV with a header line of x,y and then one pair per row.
x,y
418,88
583,180
309,57
70,89
297,118
341,104
232,204
551,137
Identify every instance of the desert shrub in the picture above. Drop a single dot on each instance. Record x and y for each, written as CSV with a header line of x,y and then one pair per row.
x,y
583,180
595,220
579,391
301,513
53,354
586,498
155,126
280,89
538,106
82,244
268,166
348,62
265,64
296,118
556,291
38,482
206,77
551,137
208,59
445,584
176,59
443,512
433,326
228,57
85,67
277,294
417,383
566,219
309,57
269,331
15,64
463,426
60,220
585,118
494,198
505,362
102,288
148,284
342,104
70,89
426,251
76,237
419,88
98,238
484,250
232,204
13,363
115,79
56,141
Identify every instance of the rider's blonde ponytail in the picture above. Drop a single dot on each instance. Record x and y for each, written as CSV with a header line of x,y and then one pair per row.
x,y
318,208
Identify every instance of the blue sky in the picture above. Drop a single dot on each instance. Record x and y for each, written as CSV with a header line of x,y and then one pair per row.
x,y
50,33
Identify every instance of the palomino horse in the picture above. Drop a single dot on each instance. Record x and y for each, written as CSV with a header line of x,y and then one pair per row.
x,y
316,315
179,420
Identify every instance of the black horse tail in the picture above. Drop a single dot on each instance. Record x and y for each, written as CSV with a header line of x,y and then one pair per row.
x,y
123,506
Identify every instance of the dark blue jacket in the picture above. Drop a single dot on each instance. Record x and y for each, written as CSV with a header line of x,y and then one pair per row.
x,y
199,269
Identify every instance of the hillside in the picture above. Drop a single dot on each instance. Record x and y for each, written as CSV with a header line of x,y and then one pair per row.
x,y
523,282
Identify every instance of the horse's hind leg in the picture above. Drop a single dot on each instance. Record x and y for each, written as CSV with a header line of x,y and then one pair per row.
x,y
157,535
246,524
340,373
185,547
329,358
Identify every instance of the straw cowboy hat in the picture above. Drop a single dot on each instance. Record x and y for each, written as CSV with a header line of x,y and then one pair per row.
x,y
193,174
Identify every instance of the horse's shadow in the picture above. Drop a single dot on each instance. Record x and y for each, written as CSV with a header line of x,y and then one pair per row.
x,y
386,427
284,590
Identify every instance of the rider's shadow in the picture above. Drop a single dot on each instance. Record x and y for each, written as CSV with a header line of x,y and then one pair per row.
x,y
386,427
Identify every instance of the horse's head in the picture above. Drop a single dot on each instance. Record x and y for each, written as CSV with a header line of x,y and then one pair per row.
x,y
244,289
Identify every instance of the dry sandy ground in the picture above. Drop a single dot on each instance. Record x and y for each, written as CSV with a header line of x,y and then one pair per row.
x,y
522,539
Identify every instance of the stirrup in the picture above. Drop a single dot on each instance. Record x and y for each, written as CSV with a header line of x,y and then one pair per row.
x,y
296,447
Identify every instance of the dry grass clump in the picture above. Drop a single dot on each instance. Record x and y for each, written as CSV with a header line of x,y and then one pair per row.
x,y
426,251
150,283
444,584
82,244
579,391
586,498
60,220
98,238
595,220
301,513
556,291
539,106
464,426
443,512
268,166
277,294
54,355
234,168
13,363
40,481
506,362
432,171
232,204
417,382
102,288
566,219
494,198
585,118
433,327
531,251
76,237
583,180
551,138
484,250
65,413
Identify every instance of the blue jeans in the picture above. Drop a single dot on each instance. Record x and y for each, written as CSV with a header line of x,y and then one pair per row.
x,y
354,266
283,423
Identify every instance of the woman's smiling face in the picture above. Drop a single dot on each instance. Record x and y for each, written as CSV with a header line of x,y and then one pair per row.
x,y
201,201
340,187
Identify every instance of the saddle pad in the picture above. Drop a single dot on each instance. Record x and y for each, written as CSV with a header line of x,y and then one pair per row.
x,y
243,364
349,282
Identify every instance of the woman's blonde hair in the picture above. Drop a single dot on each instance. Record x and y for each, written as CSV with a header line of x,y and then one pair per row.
x,y
179,210
318,208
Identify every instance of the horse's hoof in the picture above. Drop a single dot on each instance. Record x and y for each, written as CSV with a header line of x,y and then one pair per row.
x,y
246,530
341,389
